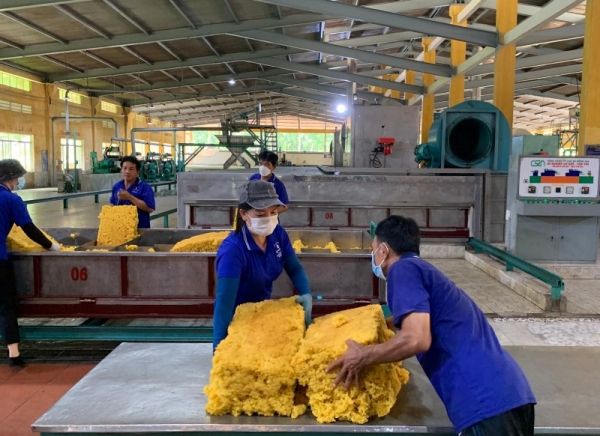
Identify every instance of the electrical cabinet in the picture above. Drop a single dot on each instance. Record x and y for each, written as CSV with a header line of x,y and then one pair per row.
x,y
553,208
559,239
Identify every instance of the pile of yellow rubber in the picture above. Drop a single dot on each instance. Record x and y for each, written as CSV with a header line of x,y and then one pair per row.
x,y
17,240
267,356
206,242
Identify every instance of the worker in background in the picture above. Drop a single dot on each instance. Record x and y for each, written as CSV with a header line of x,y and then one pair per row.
x,y
267,161
252,257
13,211
132,191
484,390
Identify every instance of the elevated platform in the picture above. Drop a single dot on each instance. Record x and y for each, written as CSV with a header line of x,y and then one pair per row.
x,y
156,389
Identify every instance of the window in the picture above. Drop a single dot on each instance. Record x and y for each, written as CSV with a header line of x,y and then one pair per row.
x,y
15,107
168,149
20,147
16,82
109,107
68,156
304,142
154,148
73,96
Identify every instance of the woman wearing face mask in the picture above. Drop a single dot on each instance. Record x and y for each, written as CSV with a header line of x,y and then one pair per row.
x,y
13,211
253,256
267,161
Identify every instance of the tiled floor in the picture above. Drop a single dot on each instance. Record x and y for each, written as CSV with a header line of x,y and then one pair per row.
x,y
27,393
489,294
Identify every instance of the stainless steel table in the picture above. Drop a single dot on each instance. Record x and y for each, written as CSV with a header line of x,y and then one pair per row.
x,y
154,389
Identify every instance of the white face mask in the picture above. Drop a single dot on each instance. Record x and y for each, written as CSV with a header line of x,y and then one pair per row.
x,y
263,226
264,171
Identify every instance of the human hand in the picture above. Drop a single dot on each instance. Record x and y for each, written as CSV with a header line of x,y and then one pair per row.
x,y
124,195
306,302
54,247
350,364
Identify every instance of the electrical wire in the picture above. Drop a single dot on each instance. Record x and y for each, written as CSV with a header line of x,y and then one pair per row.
x,y
374,161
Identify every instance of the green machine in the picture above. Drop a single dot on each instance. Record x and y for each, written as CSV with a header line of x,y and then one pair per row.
x,y
110,162
157,167
535,144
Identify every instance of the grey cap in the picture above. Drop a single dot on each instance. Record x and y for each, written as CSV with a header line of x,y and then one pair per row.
x,y
259,194
11,169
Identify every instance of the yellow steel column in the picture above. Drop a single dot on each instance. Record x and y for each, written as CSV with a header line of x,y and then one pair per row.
x,y
505,61
589,121
428,99
458,54
409,80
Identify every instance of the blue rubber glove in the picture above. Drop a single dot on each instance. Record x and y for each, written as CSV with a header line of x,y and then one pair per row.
x,y
306,302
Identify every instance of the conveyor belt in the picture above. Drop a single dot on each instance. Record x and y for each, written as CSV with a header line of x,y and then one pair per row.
x,y
155,389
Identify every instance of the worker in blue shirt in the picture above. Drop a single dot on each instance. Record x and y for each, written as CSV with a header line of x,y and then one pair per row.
x,y
484,390
267,161
132,191
252,257
13,211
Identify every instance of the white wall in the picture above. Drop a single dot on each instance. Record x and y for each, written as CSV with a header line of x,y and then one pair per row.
x,y
401,123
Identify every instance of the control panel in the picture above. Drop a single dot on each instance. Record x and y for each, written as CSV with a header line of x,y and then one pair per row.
x,y
544,179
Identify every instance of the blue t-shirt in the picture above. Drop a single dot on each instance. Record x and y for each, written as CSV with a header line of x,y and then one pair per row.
x,y
278,184
12,211
140,190
473,375
239,257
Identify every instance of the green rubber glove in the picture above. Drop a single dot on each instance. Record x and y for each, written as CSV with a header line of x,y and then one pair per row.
x,y
306,302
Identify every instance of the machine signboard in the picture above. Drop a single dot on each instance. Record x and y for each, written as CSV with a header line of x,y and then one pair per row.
x,y
542,177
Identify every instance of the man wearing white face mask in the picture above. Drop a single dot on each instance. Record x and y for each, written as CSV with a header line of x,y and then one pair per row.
x,y
267,161
253,257
13,212
483,388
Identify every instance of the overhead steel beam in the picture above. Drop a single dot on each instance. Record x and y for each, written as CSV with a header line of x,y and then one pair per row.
x,y
101,60
137,55
534,61
62,64
347,77
168,50
139,79
162,35
261,35
311,116
177,6
229,91
199,81
11,5
309,95
127,16
547,36
530,10
532,75
207,108
473,36
167,65
23,68
543,16
35,27
83,21
207,100
12,44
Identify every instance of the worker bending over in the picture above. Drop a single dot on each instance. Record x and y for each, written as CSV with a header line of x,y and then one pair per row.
x,y
13,211
132,191
251,258
484,390
267,161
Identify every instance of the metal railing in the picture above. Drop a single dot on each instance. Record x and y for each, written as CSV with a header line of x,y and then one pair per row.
x,y
65,198
511,261
164,215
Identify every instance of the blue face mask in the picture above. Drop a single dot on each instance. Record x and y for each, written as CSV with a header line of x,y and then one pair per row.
x,y
377,270
21,183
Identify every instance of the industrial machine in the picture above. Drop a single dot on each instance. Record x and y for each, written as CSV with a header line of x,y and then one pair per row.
x,y
156,166
553,208
473,134
536,144
123,283
445,204
109,164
